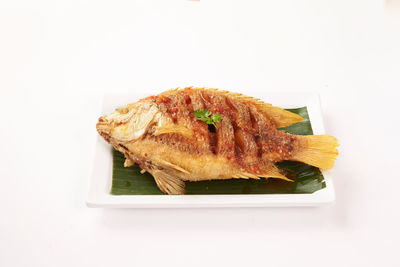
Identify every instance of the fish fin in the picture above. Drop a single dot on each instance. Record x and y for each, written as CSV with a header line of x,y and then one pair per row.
x,y
269,170
170,91
124,150
246,175
128,162
173,128
281,117
275,175
170,165
233,95
317,150
167,183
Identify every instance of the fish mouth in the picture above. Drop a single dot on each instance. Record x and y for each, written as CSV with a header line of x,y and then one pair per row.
x,y
104,129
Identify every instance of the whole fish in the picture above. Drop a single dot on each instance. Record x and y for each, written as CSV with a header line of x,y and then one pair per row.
x,y
195,134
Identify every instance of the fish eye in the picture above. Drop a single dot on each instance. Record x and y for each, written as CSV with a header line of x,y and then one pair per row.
x,y
123,110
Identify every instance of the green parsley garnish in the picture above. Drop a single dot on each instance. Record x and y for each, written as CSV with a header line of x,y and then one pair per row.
x,y
206,116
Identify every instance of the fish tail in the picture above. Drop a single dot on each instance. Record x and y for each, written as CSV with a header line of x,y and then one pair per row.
x,y
317,150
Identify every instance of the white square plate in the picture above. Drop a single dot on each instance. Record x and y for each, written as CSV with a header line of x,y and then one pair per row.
x,y
100,186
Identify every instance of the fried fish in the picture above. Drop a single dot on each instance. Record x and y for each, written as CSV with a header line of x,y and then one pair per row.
x,y
196,134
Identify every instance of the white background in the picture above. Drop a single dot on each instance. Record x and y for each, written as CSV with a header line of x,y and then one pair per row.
x,y
57,58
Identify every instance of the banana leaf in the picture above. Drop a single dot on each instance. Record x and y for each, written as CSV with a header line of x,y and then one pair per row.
x,y
307,179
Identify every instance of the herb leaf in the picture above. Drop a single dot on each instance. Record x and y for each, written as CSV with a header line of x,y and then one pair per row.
x,y
206,116
216,117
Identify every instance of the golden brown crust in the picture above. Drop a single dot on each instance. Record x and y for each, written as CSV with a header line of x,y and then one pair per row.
x,y
163,136
245,136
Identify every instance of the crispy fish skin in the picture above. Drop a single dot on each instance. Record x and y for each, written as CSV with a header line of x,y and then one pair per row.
x,y
162,135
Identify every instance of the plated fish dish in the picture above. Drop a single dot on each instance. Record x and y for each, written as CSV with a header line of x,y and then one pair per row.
x,y
196,134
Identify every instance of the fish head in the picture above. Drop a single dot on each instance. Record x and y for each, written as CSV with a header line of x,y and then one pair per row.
x,y
129,123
